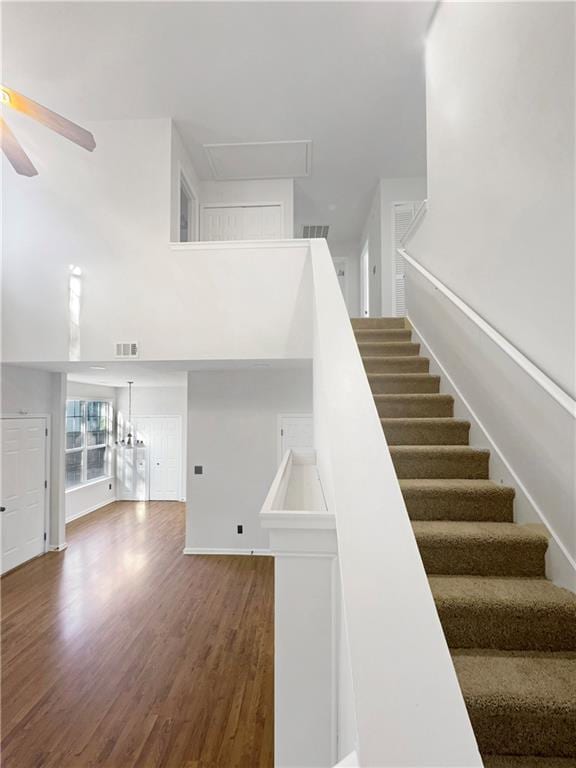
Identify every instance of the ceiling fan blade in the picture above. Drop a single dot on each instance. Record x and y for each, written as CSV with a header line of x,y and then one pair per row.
x,y
14,152
50,119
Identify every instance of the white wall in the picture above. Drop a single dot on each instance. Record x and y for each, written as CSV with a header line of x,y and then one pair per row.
x,y
107,212
157,401
35,392
253,191
170,299
378,232
181,165
500,225
499,232
90,497
233,433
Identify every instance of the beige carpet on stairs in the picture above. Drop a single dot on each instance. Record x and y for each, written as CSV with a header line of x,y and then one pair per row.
x,y
512,632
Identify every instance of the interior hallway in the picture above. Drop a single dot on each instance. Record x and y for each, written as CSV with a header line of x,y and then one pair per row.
x,y
123,652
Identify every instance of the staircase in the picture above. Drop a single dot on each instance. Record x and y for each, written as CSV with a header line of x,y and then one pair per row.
x,y
512,633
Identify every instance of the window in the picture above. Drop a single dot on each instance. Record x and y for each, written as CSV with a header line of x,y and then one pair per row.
x,y
88,430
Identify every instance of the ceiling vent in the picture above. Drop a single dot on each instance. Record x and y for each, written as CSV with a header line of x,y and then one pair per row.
x,y
127,349
315,230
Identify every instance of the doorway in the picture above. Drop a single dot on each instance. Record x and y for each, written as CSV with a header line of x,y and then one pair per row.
x,y
365,281
340,267
162,436
187,220
295,430
24,490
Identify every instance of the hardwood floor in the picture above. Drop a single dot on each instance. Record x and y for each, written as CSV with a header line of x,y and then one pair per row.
x,y
123,652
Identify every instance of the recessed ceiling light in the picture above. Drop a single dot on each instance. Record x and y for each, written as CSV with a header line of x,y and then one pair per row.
x,y
97,368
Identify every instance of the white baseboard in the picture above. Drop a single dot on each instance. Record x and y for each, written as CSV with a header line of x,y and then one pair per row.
x,y
90,509
57,547
216,551
560,566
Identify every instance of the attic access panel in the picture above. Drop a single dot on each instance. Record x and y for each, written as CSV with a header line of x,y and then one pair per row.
x,y
260,160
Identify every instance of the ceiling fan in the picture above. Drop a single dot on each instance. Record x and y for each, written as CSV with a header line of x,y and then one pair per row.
x,y
12,147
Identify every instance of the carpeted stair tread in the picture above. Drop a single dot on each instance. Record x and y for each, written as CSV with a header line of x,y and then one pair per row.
x,y
520,704
382,334
447,461
512,633
414,406
506,613
396,364
384,348
359,323
455,499
486,549
403,383
426,431
527,761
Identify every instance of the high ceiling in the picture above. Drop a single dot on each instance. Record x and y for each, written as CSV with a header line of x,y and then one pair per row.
x,y
347,75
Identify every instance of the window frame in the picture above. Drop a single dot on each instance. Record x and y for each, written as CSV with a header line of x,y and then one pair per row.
x,y
85,448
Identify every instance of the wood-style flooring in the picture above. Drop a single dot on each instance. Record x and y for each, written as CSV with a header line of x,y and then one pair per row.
x,y
123,652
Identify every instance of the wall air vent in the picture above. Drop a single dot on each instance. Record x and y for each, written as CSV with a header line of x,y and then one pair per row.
x,y
315,230
127,349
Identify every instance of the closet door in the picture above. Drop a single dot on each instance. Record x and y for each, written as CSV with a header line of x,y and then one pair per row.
x,y
242,222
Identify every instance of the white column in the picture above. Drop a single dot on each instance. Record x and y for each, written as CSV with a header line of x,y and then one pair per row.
x,y
304,545
57,527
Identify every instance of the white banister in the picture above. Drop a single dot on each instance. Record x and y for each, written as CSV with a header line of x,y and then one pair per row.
x,y
408,705
536,374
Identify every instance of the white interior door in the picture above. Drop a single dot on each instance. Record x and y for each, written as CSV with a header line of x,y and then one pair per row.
x,y
23,490
163,437
242,222
295,431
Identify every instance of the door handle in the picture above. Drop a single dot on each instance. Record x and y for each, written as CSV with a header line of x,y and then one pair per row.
x,y
2,509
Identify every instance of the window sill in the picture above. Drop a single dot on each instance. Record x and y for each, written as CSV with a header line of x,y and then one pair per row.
x,y
104,479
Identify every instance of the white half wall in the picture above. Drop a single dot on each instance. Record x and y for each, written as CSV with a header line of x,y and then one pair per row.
x,y
499,231
253,192
232,435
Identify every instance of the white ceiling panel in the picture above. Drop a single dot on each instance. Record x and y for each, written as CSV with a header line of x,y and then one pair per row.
x,y
260,160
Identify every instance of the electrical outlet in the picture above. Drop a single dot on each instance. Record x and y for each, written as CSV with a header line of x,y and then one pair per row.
x,y
109,486
239,529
